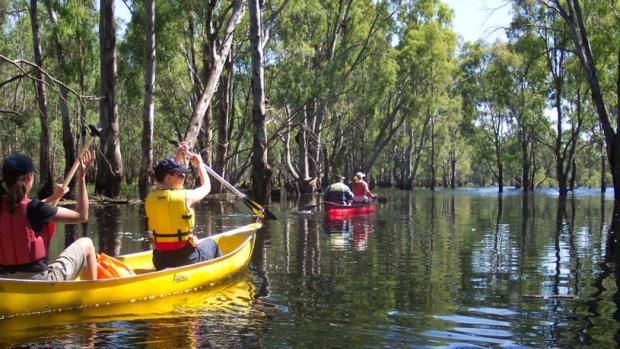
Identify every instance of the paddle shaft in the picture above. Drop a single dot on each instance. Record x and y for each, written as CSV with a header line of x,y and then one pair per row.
x,y
75,166
219,178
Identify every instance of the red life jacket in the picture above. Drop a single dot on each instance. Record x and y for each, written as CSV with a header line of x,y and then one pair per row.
x,y
19,243
358,188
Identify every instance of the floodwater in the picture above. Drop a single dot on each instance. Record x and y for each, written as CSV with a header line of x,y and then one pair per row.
x,y
450,269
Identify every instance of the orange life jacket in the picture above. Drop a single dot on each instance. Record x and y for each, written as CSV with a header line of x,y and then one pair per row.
x,y
19,243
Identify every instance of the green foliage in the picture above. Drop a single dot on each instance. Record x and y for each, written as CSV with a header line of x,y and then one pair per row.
x,y
387,74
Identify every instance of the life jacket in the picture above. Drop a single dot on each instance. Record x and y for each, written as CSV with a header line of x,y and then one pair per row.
x,y
358,189
19,243
169,219
337,193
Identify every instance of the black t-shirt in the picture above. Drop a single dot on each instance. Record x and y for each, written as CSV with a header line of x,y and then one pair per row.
x,y
40,213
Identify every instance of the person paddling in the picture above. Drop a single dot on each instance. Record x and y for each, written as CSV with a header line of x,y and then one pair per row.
x,y
170,216
338,192
360,189
27,226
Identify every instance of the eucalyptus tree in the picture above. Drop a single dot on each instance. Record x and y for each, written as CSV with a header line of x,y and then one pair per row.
x,y
426,61
326,64
218,52
67,136
528,100
149,100
487,85
595,33
109,166
45,162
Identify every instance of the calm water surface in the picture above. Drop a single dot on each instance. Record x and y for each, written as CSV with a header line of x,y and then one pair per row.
x,y
462,269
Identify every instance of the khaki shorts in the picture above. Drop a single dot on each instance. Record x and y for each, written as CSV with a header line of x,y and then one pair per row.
x,y
67,266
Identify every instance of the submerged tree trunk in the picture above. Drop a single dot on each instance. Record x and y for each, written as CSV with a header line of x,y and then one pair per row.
x,y
45,163
570,11
110,165
261,171
149,104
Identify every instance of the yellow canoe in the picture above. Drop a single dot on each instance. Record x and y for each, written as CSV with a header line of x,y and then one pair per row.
x,y
231,300
24,297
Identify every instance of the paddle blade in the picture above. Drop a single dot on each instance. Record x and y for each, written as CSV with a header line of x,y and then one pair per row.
x,y
382,199
259,210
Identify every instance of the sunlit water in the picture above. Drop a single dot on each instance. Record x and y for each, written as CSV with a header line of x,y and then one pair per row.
x,y
451,269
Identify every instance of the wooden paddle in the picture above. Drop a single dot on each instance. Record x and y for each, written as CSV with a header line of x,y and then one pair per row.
x,y
93,132
258,210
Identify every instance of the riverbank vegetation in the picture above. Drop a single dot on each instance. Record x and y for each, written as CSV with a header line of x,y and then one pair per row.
x,y
288,93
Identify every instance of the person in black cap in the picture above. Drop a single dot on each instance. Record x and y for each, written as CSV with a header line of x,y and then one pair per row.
x,y
338,193
170,216
27,226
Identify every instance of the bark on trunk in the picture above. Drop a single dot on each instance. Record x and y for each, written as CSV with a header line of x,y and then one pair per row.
x,y
149,103
261,171
45,163
573,17
225,122
196,120
68,142
110,165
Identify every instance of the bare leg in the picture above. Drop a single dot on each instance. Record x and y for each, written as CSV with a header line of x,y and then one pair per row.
x,y
86,244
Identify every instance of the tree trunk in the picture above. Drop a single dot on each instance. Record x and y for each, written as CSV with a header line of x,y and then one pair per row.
x,y
603,167
261,171
196,120
419,149
573,17
525,163
110,165
45,163
68,142
149,103
500,165
433,169
225,122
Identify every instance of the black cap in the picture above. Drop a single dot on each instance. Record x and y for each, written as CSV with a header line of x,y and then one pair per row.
x,y
17,165
168,166
339,178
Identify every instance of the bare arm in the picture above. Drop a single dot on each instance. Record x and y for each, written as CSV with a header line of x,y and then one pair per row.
x,y
367,191
193,196
80,214
59,192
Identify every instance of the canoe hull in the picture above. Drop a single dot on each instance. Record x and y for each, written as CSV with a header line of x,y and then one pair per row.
x,y
22,297
337,211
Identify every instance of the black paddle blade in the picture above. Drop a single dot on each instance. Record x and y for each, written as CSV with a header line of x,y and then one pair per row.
x,y
259,210
382,199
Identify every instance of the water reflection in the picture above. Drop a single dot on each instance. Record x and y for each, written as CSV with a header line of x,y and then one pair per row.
x,y
446,269
181,321
350,231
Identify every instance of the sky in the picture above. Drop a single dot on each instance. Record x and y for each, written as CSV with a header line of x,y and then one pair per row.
x,y
473,19
480,19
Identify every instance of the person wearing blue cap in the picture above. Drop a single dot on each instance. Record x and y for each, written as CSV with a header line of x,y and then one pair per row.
x,y
27,226
170,216
338,192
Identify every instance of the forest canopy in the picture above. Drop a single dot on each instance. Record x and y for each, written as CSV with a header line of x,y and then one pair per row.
x,y
288,93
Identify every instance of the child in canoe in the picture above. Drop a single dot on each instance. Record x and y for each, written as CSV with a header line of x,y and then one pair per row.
x,y
170,216
27,226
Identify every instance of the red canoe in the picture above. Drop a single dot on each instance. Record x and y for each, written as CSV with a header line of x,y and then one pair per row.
x,y
336,210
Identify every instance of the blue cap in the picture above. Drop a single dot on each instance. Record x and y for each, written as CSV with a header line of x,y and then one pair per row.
x,y
17,165
167,166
